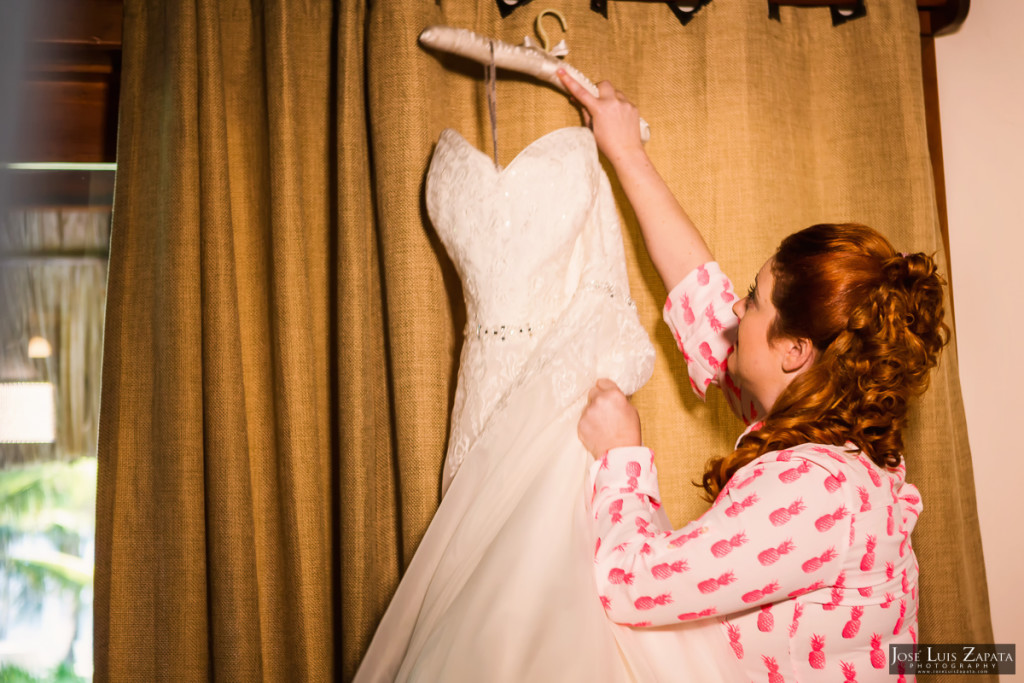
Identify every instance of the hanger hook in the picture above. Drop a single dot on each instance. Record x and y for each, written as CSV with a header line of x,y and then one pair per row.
x,y
541,33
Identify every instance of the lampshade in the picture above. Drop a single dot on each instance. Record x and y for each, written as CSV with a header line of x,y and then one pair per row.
x,y
27,412
38,347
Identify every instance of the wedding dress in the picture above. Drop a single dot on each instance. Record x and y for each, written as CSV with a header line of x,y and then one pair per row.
x,y
501,587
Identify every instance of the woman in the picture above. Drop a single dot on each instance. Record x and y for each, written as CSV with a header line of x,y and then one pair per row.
x,y
805,555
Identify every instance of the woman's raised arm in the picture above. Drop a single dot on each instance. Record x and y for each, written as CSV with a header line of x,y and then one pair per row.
x,y
673,242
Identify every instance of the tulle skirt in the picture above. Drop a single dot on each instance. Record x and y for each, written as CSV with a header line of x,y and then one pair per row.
x,y
501,587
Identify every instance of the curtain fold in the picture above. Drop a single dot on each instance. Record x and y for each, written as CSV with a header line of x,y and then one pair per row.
x,y
283,326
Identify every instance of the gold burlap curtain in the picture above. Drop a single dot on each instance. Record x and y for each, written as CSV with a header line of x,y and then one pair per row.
x,y
283,326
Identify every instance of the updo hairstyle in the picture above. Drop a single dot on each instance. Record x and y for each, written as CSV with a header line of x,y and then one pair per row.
x,y
875,318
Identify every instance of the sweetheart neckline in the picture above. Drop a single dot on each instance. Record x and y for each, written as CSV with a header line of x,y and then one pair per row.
x,y
501,169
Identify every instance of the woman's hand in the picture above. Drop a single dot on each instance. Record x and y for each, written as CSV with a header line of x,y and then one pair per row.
x,y
614,119
609,420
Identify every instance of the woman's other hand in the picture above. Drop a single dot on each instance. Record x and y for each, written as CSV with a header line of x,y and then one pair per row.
x,y
613,118
609,420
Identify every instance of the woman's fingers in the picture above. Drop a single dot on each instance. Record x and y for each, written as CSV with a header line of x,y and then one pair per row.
x,y
606,89
608,420
576,90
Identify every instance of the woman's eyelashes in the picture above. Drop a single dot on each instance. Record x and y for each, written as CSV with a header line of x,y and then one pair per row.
x,y
752,294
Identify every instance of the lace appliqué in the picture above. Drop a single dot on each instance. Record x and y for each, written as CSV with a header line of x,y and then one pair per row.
x,y
538,249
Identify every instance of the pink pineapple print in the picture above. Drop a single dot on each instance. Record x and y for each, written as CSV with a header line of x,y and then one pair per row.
x,y
758,471
665,570
688,316
913,636
708,355
826,522
753,411
621,548
713,584
703,278
877,654
616,511
645,549
765,620
773,669
641,527
849,672
807,589
740,505
724,547
816,563
784,456
798,609
870,467
606,602
760,593
668,303
648,602
794,473
772,555
905,543
899,619
732,385
817,656
902,669
677,542
597,546
734,640
868,561
837,593
689,616
620,576
890,570
783,515
904,582
853,625
834,481
866,591
890,523
727,296
633,472
716,324
911,498
865,504
889,599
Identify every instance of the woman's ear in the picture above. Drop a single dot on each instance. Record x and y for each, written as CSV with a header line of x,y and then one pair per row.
x,y
798,354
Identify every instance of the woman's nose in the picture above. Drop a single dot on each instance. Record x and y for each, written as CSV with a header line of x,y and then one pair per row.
x,y
738,307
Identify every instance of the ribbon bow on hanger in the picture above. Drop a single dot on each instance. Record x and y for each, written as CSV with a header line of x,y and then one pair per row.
x,y
560,49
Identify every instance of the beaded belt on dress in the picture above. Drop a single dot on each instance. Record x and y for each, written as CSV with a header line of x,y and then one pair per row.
x,y
527,329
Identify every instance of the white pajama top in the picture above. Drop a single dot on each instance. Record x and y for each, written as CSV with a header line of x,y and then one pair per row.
x,y
805,556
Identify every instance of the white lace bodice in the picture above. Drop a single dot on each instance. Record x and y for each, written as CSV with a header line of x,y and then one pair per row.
x,y
530,242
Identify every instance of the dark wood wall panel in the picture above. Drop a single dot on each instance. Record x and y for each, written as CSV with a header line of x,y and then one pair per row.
x,y
67,102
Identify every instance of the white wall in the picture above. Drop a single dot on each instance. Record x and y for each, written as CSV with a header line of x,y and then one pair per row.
x,y
981,103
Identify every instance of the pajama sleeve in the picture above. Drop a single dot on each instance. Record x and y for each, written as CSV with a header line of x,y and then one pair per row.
x,y
781,528
699,312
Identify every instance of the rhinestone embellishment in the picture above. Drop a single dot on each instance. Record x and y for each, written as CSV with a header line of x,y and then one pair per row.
x,y
526,330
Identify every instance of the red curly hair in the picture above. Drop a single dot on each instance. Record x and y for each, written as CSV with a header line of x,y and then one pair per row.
x,y
875,318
